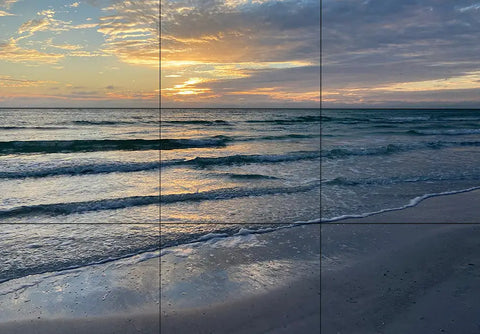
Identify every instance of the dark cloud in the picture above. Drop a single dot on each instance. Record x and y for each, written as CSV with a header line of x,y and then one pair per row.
x,y
240,52
376,42
296,79
269,31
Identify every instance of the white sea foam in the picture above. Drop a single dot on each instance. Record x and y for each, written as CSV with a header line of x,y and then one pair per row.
x,y
413,202
240,241
244,238
211,236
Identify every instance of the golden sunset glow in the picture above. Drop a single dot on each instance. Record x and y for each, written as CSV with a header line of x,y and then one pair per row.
x,y
234,51
91,52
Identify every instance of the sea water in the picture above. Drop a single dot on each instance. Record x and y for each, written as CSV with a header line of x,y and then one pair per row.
x,y
85,186
78,186
231,171
381,159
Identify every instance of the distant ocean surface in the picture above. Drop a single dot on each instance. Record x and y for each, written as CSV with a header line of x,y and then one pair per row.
x,y
231,171
375,160
78,186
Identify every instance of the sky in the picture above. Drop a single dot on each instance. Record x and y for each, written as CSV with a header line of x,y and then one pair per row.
x,y
240,53
79,53
391,53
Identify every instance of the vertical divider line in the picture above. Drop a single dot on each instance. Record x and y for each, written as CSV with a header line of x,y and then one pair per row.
x,y
159,159
320,162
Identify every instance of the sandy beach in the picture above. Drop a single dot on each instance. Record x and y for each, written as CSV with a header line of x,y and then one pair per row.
x,y
252,283
117,297
453,208
410,278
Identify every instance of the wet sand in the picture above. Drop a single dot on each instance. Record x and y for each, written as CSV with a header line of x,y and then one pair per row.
x,y
261,283
410,278
454,208
117,297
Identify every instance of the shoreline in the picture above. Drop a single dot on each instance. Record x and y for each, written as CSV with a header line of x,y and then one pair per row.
x,y
406,271
252,283
433,208
102,298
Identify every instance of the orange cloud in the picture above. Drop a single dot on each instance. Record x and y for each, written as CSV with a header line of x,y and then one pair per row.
x,y
189,87
132,32
10,51
7,81
277,93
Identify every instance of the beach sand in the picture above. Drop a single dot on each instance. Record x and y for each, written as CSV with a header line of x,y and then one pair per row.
x,y
252,283
117,297
411,278
454,208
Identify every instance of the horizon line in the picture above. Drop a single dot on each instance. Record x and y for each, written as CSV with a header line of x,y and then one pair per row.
x,y
404,108
80,108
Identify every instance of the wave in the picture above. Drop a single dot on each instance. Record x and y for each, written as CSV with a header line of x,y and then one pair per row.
x,y
82,169
66,146
278,137
342,181
66,266
339,153
33,128
222,141
289,136
462,119
450,132
79,207
229,193
169,247
242,159
300,119
176,144
393,121
408,119
250,176
111,122
198,122
413,202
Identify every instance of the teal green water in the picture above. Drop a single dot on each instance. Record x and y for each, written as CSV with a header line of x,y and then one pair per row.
x,y
224,170
79,186
381,159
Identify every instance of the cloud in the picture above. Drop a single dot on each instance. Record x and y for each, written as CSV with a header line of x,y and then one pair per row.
x,y
82,53
84,26
74,5
47,22
132,31
148,97
34,25
11,52
3,13
65,46
258,84
7,3
8,81
241,50
259,31
384,47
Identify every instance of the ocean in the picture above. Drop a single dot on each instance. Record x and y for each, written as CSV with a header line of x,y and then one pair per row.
x,y
87,186
376,160
236,171
78,187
